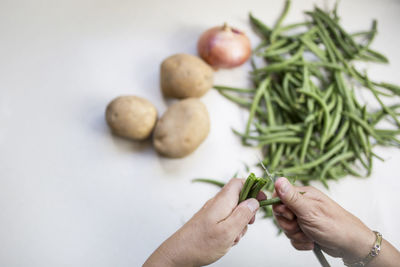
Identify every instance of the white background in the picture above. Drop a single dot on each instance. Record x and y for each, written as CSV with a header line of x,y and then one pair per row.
x,y
72,194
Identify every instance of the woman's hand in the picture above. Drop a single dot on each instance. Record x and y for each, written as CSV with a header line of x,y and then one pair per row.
x,y
309,216
211,232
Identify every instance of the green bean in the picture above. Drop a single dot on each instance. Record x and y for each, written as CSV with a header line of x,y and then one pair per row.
x,y
317,161
270,110
265,137
336,173
270,201
295,152
241,102
328,92
325,39
259,46
335,25
306,87
275,128
357,151
260,27
306,142
333,66
280,20
349,169
384,107
281,104
364,141
387,132
209,181
294,80
239,90
275,46
372,32
392,87
287,152
346,94
282,65
372,55
257,187
314,48
286,89
332,103
327,118
247,187
337,116
362,123
280,51
330,25
276,157
291,27
283,140
238,100
260,91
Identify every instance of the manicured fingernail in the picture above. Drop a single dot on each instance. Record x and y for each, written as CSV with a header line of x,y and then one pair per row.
x,y
252,204
284,186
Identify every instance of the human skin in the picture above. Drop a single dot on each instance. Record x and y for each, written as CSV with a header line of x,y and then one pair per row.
x,y
312,217
211,232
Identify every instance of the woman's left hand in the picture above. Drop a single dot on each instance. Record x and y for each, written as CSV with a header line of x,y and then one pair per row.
x,y
211,232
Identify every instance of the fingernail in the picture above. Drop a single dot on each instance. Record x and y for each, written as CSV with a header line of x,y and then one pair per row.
x,y
252,204
284,186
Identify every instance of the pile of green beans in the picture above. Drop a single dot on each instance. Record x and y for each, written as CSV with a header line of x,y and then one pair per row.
x,y
303,111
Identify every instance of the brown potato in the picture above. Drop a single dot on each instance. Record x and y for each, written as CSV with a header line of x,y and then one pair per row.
x,y
184,76
182,128
131,116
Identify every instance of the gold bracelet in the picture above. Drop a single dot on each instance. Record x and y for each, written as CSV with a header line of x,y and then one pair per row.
x,y
373,253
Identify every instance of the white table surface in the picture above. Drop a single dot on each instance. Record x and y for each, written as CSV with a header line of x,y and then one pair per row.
x,y
72,194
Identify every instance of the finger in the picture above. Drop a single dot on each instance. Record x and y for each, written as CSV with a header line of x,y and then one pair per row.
x,y
283,211
237,239
289,227
261,196
231,190
299,237
253,219
302,246
290,195
226,200
244,231
241,216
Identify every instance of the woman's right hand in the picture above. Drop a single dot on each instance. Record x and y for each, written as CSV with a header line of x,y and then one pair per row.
x,y
307,215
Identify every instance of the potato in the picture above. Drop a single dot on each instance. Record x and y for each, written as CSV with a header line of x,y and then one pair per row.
x,y
131,116
184,76
182,128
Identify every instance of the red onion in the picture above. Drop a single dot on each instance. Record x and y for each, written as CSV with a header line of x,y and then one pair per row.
x,y
224,47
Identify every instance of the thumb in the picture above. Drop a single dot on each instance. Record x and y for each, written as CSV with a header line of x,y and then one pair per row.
x,y
241,216
289,195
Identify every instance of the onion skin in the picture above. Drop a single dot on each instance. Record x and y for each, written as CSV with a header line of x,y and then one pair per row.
x,y
224,47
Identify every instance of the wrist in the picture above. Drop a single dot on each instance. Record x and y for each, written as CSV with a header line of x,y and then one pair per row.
x,y
359,245
169,254
177,251
159,258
